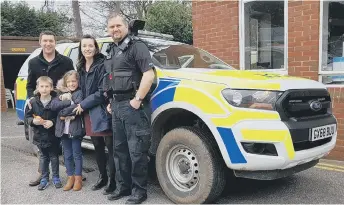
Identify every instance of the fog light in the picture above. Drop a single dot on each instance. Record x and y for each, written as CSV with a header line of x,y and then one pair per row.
x,y
260,148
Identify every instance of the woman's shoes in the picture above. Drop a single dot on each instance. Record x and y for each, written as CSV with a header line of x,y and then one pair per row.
x,y
77,183
70,183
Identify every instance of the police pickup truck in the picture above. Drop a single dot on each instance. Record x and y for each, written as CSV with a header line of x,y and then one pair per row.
x,y
208,118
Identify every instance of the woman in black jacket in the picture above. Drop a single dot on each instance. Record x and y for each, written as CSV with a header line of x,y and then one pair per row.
x,y
97,121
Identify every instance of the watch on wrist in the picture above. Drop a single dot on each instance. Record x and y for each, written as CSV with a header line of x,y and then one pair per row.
x,y
138,98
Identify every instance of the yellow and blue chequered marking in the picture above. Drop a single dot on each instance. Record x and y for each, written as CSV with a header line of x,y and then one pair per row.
x,y
164,92
233,150
21,97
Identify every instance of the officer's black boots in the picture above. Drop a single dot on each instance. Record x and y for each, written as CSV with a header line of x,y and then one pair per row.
x,y
118,194
111,187
102,181
136,199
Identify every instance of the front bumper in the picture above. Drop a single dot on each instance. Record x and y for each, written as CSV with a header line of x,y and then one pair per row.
x,y
291,141
275,174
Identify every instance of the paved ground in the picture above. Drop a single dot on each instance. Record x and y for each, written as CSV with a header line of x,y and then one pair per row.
x,y
320,185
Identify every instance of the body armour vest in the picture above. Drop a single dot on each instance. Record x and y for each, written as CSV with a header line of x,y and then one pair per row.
x,y
124,77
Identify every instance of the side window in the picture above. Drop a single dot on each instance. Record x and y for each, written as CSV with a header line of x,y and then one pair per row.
x,y
74,56
104,47
185,61
185,56
162,59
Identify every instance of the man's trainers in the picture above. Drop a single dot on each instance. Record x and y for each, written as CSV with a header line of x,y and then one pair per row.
x,y
57,182
43,184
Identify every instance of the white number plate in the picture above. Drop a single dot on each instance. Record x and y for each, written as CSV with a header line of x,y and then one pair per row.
x,y
323,132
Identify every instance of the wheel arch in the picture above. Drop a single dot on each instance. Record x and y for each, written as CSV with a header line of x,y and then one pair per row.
x,y
183,114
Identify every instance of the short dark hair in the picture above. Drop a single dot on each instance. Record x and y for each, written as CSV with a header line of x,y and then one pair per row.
x,y
114,15
50,33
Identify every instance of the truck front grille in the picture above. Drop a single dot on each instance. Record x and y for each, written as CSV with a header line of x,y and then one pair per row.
x,y
298,104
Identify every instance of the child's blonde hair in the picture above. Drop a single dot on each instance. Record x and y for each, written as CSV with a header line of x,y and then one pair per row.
x,y
68,74
62,83
45,79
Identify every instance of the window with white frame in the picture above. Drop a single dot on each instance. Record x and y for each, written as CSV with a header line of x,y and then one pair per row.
x,y
332,42
263,35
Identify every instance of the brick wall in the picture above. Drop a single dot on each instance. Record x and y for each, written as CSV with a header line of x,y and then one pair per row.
x,y
337,95
303,38
220,38
2,87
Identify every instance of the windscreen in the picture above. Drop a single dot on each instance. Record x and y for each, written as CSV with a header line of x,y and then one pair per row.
x,y
186,56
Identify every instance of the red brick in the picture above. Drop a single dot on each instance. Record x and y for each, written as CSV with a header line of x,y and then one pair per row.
x,y
295,63
314,17
335,155
339,148
302,68
340,142
225,14
310,53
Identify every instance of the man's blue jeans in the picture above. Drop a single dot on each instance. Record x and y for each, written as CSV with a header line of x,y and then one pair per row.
x,y
72,155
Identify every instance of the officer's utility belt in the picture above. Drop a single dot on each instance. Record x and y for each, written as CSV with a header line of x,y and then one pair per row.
x,y
122,96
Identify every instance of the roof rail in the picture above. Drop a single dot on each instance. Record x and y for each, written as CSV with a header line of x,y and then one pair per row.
x,y
144,33
150,34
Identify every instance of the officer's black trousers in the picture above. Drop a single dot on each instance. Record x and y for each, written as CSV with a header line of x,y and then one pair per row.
x,y
99,146
131,144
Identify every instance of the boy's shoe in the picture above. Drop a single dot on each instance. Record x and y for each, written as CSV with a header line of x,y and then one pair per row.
x,y
43,184
36,181
57,182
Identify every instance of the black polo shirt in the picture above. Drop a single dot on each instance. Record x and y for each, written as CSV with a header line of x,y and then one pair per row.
x,y
136,57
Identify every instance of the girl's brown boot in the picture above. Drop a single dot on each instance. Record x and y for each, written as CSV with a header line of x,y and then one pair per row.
x,y
70,183
77,183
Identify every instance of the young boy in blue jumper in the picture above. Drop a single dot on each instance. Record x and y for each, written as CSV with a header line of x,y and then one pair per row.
x,y
42,119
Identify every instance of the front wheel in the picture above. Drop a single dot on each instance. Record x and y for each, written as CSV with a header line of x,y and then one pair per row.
x,y
189,166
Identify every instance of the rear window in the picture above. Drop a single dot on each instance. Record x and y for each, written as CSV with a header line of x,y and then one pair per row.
x,y
25,67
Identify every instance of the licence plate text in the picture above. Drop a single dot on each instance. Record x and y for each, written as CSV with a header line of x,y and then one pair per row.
x,y
319,133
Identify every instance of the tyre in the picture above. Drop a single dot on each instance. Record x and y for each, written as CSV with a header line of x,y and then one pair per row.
x,y
189,166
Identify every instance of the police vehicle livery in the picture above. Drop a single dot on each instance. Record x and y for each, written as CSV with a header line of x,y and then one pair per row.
x,y
207,118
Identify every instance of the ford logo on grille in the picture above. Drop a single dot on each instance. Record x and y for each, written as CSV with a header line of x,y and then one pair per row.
x,y
315,105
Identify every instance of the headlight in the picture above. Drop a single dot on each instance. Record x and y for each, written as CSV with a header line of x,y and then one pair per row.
x,y
255,99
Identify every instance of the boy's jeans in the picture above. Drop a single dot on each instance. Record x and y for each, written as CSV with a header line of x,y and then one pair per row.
x,y
49,154
72,155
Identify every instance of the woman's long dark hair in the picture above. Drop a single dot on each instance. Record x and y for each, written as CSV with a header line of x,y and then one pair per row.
x,y
81,58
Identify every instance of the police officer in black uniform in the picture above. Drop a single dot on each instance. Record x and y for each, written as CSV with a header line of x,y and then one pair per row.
x,y
130,78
